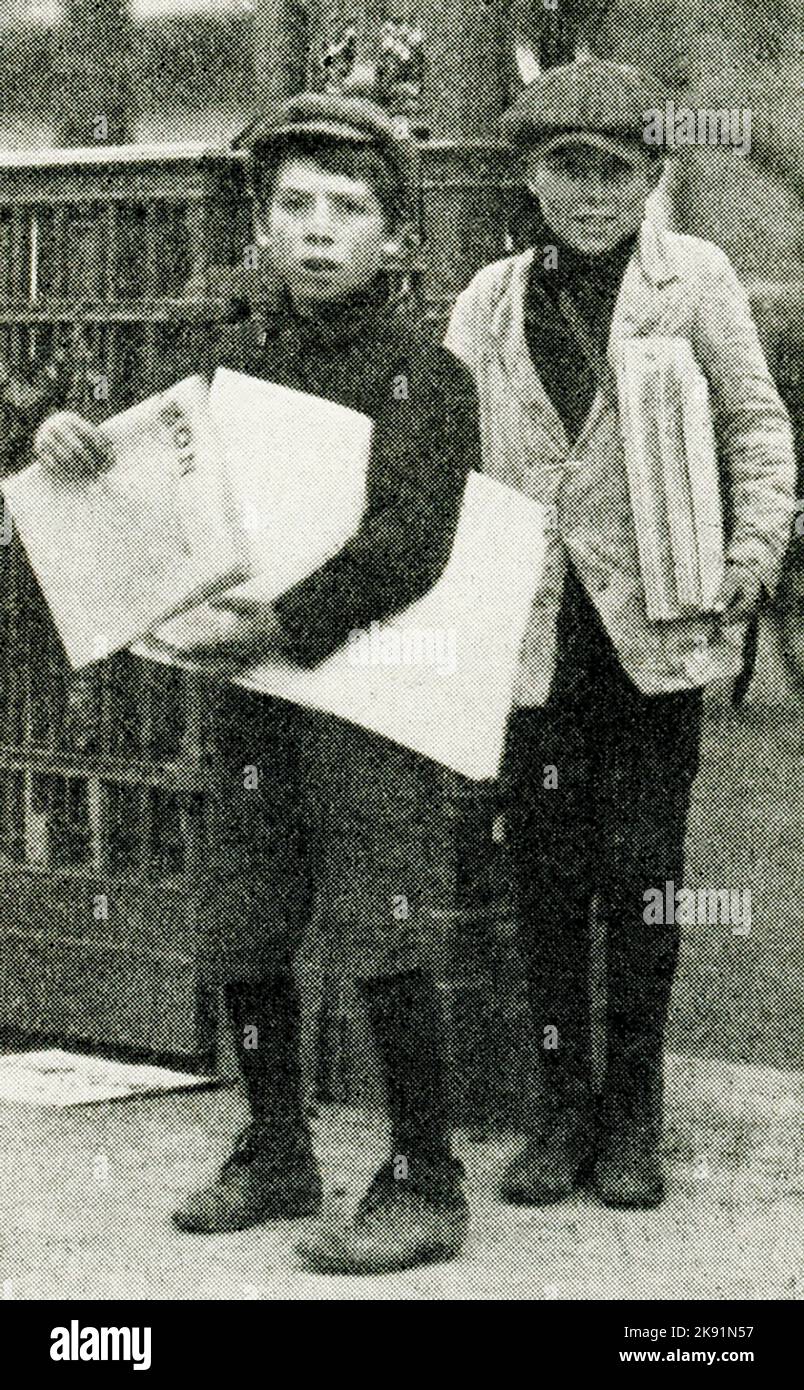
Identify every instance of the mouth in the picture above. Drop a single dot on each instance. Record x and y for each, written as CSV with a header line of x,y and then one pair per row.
x,y
595,219
319,265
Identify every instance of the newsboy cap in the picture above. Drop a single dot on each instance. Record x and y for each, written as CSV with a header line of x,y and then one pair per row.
x,y
591,101
332,117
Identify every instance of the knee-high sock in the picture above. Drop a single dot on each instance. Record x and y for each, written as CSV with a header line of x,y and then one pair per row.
x,y
408,1029
266,1023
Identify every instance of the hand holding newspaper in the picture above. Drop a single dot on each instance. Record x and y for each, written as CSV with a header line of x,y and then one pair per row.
x,y
118,551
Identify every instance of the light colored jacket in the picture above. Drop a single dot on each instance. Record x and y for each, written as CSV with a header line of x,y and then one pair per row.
x,y
673,285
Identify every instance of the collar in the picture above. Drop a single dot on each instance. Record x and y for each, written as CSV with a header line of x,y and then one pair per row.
x,y
576,271
338,325
638,305
654,258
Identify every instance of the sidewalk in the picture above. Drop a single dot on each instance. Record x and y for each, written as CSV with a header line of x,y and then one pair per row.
x,y
85,1198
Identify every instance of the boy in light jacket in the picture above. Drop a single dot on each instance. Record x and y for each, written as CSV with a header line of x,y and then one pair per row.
x,y
607,699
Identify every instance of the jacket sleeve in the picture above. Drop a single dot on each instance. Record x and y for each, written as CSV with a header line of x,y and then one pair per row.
x,y
422,450
462,330
752,425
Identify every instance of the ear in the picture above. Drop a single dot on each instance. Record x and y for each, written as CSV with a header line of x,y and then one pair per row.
x,y
401,247
259,227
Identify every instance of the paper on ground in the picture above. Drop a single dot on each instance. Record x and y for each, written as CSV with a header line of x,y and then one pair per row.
x,y
117,552
477,610
58,1079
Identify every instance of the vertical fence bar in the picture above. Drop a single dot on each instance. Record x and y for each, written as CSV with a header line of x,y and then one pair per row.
x,y
19,249
111,253
61,222
98,807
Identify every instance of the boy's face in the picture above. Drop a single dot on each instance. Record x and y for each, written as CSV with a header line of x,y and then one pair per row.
x,y
326,233
590,198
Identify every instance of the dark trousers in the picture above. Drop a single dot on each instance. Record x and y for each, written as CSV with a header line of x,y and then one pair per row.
x,y
596,786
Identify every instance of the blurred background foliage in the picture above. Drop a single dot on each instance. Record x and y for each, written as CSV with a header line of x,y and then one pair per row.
x,y
731,53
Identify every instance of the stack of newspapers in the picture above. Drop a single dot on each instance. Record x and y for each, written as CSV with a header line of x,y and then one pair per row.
x,y
248,487
673,475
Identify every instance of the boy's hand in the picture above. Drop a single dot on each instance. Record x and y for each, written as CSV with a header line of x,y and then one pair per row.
x,y
740,596
71,447
254,636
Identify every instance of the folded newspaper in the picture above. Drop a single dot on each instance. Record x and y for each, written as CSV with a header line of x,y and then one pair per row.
x,y
673,475
437,678
155,533
296,469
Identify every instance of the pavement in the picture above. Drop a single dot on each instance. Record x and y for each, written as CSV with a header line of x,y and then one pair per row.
x,y
86,1195
86,1192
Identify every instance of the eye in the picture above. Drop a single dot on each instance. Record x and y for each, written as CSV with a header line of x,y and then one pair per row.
x,y
292,201
350,207
568,165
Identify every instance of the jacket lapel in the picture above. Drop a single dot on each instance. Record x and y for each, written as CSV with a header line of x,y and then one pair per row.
x,y
642,299
510,345
638,307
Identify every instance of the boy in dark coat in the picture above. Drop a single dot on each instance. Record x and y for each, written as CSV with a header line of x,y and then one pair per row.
x,y
331,188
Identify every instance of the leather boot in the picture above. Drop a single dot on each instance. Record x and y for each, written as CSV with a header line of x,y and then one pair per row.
x,y
267,1177
557,1153
559,1125
628,1166
422,1218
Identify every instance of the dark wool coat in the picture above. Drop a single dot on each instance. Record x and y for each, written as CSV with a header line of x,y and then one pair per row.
x,y
337,813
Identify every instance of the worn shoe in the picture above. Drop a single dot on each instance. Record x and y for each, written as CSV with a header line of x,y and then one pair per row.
x,y
264,1179
628,1169
554,1162
400,1222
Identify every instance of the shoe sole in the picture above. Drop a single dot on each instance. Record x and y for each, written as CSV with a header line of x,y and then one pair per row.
x,y
319,1262
298,1213
655,1199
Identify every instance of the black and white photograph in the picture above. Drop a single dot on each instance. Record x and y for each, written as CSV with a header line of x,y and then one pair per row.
x,y
402,665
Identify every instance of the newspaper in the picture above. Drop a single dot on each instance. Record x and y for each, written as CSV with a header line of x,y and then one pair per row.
x,y
673,475
438,677
116,552
296,468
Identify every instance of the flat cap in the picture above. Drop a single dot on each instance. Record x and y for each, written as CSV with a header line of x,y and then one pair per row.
x,y
590,99
332,117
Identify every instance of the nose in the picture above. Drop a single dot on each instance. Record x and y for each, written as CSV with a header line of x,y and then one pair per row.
x,y
319,228
596,189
